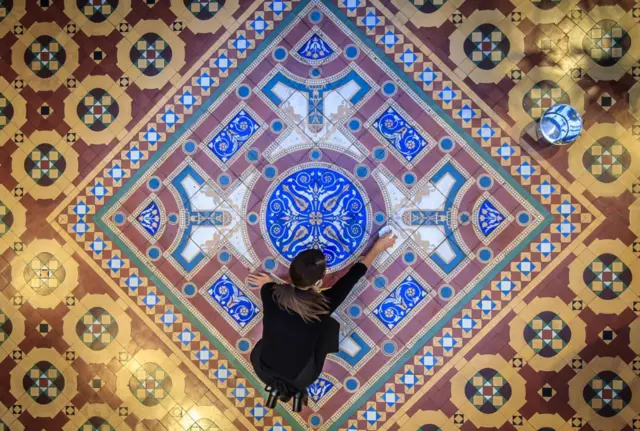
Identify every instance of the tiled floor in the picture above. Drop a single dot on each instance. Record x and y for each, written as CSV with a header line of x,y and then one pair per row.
x,y
153,152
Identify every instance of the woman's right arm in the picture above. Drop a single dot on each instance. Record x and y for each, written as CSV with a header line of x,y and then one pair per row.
x,y
341,289
381,245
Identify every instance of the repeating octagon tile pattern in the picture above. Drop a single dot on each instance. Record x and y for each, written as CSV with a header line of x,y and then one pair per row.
x,y
154,153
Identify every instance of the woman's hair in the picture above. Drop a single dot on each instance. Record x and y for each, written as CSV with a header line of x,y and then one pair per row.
x,y
307,268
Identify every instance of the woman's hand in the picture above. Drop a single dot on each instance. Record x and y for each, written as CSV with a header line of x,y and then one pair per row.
x,y
382,244
260,279
385,242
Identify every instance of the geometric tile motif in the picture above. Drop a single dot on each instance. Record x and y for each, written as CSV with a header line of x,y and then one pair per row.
x,y
316,49
5,9
546,4
488,218
150,384
428,6
6,327
542,96
97,11
319,389
233,300
151,54
208,80
607,159
45,165
97,328
405,138
96,423
607,276
6,219
206,424
44,273
204,9
6,111
240,129
488,391
398,304
547,334
45,56
487,46
43,382
336,226
151,218
607,394
98,109
607,335
606,43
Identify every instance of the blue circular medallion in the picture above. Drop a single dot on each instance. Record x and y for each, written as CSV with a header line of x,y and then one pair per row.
x,y
379,154
485,182
355,311
252,155
389,348
523,218
351,384
189,147
409,178
351,52
485,254
445,292
389,88
189,290
380,282
154,252
277,126
315,154
270,172
316,205
154,184
119,218
172,218
315,72
379,218
224,180
252,218
315,16
315,420
446,144
409,257
361,171
354,125
244,345
280,53
269,264
243,91
224,256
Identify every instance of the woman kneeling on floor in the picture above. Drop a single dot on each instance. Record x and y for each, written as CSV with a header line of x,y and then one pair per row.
x,y
298,330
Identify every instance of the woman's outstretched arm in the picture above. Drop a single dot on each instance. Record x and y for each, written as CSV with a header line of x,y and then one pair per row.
x,y
341,289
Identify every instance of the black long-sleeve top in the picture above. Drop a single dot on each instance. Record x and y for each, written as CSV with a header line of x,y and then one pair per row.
x,y
289,342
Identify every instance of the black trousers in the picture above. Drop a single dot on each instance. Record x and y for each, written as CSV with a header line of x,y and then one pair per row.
x,y
289,387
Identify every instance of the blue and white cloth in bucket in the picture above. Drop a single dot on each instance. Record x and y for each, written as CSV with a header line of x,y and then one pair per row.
x,y
560,124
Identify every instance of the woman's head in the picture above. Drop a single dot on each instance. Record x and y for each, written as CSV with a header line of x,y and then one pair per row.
x,y
299,297
307,268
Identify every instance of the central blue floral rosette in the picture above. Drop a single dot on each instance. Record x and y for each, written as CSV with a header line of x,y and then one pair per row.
x,y
316,206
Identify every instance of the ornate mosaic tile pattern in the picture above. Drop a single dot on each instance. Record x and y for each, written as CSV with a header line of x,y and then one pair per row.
x,y
171,148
